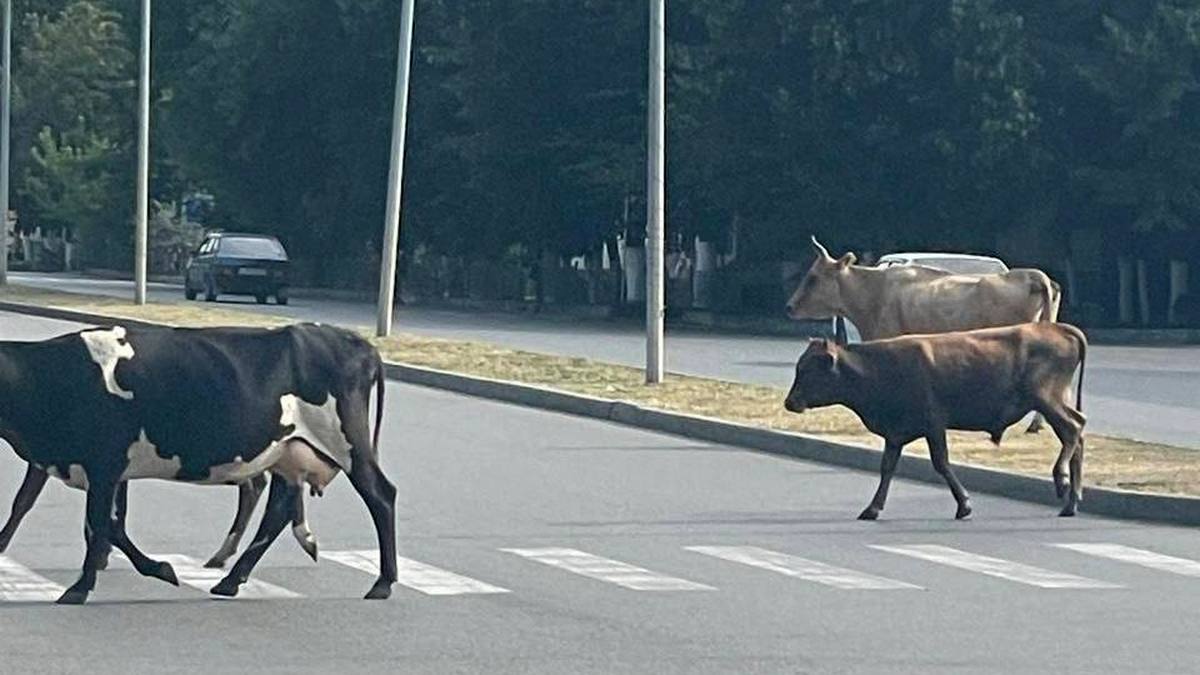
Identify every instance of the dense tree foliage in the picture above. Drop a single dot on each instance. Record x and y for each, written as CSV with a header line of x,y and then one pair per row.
x,y
873,123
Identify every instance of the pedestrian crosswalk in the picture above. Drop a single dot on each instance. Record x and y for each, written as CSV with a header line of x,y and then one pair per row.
x,y
996,567
802,568
603,569
516,570
416,575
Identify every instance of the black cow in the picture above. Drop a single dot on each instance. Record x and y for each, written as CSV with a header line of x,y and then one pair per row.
x,y
209,406
249,493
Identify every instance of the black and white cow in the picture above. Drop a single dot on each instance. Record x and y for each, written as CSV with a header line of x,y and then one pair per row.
x,y
249,492
209,406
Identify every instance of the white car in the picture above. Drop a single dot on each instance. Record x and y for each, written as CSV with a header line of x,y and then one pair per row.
x,y
956,263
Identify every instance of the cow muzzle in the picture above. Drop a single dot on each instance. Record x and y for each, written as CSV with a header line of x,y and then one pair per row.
x,y
792,404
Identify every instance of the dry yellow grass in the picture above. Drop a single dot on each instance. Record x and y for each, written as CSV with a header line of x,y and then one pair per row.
x,y
1111,462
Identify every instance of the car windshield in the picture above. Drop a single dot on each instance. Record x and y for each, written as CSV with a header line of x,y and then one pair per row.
x,y
251,247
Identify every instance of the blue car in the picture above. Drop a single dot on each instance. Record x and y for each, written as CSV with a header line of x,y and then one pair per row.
x,y
235,263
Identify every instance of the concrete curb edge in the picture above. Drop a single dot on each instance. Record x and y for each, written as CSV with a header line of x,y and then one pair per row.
x,y
1099,501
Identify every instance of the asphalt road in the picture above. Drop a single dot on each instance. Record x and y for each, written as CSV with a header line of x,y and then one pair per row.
x,y
709,529
1145,393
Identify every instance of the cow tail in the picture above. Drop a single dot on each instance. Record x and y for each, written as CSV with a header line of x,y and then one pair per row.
x,y
1083,345
379,387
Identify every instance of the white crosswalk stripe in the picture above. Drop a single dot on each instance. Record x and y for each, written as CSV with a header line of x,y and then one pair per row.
x,y
603,569
995,567
192,572
19,584
1137,556
802,568
416,575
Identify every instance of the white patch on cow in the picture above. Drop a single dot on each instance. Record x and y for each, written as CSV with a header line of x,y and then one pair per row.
x,y
145,462
317,426
106,348
76,477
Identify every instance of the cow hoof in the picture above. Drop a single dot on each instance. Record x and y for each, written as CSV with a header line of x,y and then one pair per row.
x,y
963,513
1068,511
72,597
869,513
225,588
382,590
215,563
166,573
311,550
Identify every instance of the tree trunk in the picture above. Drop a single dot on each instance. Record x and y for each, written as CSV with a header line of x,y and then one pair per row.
x,y
1125,290
1143,292
702,275
634,267
1179,286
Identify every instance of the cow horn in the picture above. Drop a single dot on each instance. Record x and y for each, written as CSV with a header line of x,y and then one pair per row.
x,y
820,249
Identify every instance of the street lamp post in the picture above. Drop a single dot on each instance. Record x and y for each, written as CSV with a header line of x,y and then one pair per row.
x,y
143,160
655,195
5,116
391,233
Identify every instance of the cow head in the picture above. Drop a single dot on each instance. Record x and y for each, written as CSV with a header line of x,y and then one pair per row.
x,y
817,377
819,295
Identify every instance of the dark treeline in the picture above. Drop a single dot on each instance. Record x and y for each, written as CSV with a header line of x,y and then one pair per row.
x,y
874,124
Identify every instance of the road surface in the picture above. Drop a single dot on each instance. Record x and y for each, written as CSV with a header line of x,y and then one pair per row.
x,y
543,543
1145,393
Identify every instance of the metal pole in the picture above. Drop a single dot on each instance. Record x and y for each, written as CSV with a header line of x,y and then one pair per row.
x,y
654,199
143,171
391,232
5,116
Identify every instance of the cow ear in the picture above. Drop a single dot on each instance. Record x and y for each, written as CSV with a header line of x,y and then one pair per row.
x,y
847,260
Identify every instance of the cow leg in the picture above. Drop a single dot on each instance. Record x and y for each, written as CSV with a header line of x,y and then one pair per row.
x,y
1076,494
99,510
249,493
380,497
141,562
300,528
939,453
891,457
27,494
1067,424
279,503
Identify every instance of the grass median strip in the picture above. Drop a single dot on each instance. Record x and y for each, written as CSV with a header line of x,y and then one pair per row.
x,y
1111,462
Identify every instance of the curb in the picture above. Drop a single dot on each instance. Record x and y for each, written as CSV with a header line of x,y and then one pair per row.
x,y
1109,502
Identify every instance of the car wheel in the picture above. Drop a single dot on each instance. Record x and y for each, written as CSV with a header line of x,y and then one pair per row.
x,y
261,298
281,296
210,290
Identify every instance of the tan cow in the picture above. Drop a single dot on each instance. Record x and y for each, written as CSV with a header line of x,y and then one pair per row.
x,y
906,300
918,386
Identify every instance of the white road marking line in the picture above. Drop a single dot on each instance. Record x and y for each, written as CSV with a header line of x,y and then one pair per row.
x,y
416,575
802,568
996,567
193,573
20,584
1137,556
603,569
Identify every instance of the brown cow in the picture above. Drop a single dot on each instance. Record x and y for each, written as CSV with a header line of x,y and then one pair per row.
x,y
919,386
909,300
